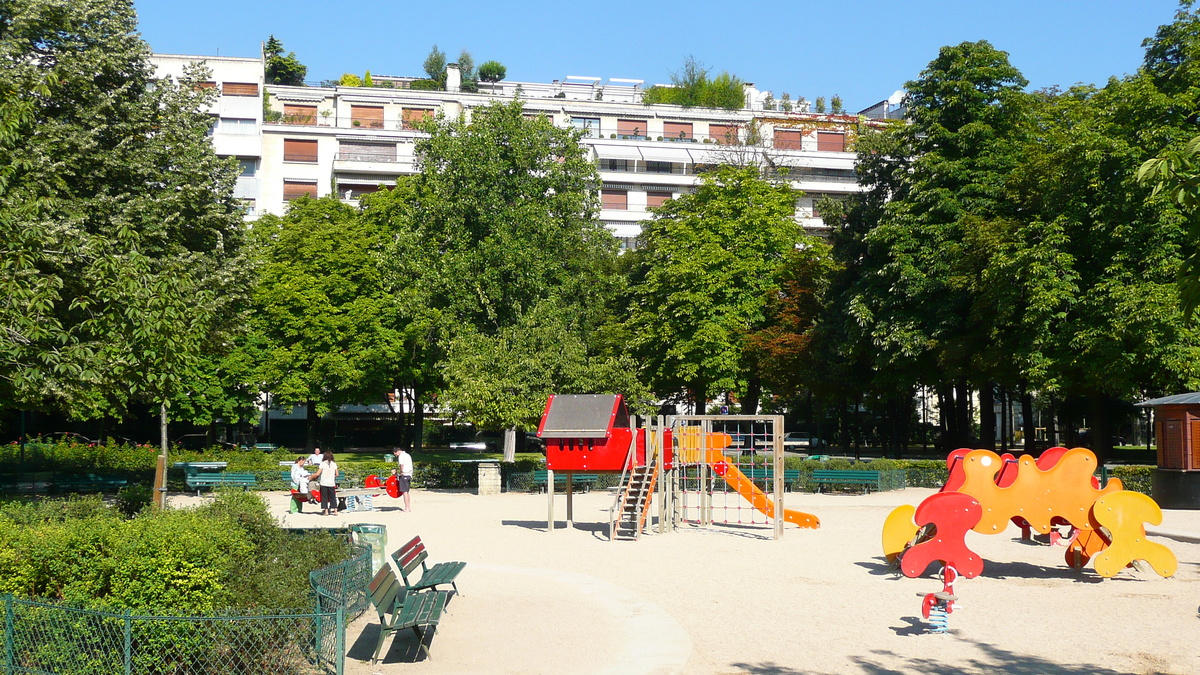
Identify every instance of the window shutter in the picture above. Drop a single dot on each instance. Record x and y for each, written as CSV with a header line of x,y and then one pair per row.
x,y
614,199
295,150
368,116
631,128
723,134
657,198
677,130
831,142
367,152
787,139
299,114
411,116
1171,451
294,189
239,89
206,85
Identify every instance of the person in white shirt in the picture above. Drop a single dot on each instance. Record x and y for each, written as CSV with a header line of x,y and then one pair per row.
x,y
315,458
299,485
326,476
404,472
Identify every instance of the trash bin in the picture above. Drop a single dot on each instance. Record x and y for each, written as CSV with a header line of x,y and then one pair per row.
x,y
376,536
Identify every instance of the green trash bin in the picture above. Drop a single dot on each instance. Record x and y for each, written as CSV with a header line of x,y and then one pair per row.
x,y
376,536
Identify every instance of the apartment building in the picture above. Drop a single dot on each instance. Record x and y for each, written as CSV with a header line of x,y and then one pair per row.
x,y
354,140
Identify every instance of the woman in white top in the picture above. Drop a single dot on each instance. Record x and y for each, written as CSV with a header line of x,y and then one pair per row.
x,y
326,476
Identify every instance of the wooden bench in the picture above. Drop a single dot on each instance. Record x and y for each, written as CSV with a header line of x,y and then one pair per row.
x,y
215,479
412,555
538,480
867,479
400,609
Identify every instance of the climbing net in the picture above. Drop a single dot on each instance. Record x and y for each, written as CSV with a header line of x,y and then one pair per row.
x,y
713,483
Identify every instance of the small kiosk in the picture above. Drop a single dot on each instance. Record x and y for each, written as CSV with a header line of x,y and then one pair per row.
x,y
1175,484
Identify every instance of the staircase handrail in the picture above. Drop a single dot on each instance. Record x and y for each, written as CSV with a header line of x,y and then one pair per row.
x,y
649,495
618,507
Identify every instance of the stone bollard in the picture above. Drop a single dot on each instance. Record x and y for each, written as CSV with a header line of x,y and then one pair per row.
x,y
489,478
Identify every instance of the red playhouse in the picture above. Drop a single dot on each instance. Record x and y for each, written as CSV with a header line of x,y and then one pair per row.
x,y
587,434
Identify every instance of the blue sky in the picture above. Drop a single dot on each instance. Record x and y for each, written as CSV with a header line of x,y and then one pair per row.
x,y
860,50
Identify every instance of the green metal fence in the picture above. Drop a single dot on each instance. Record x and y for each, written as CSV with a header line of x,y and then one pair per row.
x,y
343,585
42,637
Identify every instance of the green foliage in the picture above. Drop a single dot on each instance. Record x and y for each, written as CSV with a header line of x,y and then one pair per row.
x,y
466,66
229,553
707,264
435,65
835,105
366,80
492,71
282,69
350,80
131,499
425,85
819,104
118,230
693,87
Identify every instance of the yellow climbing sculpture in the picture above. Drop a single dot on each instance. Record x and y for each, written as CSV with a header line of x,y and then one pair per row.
x,y
1123,514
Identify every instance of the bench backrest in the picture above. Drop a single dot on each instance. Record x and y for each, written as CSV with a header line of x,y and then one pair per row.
x,y
384,590
410,556
846,473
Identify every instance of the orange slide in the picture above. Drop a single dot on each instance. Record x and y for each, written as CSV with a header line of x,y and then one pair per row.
x,y
690,451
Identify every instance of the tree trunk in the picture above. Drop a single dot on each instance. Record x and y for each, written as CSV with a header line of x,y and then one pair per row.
x,y
944,419
987,415
753,393
313,420
1101,429
1005,427
962,407
418,425
1051,422
160,470
510,444
1027,420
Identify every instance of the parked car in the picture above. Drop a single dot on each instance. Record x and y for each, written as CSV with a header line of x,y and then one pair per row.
x,y
484,441
801,440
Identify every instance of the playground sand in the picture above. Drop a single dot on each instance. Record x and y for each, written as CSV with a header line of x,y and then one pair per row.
x,y
729,599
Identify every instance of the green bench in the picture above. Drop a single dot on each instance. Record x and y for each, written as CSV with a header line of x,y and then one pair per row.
x,y
538,480
88,483
400,609
867,479
412,555
216,479
767,474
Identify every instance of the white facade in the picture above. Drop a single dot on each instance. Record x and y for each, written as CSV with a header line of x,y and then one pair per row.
x,y
355,139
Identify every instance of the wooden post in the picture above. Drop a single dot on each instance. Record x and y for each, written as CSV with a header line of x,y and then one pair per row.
x,y
549,501
570,500
160,470
777,447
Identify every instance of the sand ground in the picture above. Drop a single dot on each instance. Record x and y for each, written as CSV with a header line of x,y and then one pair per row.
x,y
730,599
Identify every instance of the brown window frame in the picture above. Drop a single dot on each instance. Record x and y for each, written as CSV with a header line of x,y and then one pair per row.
x,y
409,116
788,139
611,206
825,140
299,183
299,114
295,155
239,89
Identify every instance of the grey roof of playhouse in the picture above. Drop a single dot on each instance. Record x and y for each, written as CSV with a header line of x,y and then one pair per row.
x,y
1177,399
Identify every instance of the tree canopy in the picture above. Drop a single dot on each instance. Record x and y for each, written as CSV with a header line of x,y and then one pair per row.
x,y
693,86
280,68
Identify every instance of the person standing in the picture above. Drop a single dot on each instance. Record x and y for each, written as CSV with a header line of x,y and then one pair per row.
x,y
404,472
326,476
315,458
299,486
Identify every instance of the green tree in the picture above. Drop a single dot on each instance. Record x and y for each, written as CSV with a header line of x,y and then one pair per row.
x,y
350,80
325,319
499,221
835,105
435,65
701,278
366,80
119,230
492,71
281,69
819,105
694,87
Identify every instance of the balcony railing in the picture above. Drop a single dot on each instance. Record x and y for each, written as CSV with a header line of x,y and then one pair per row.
x,y
298,157
640,167
345,156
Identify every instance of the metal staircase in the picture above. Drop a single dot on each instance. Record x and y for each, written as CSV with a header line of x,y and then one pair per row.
x,y
634,498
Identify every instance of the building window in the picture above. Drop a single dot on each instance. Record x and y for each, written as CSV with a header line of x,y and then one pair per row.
x,y
239,89
367,152
205,85
677,131
590,126
295,189
233,125
723,134
368,116
616,165
787,139
410,117
659,167
247,206
632,129
299,114
356,190
831,142
295,150
657,198
247,167
614,199
627,243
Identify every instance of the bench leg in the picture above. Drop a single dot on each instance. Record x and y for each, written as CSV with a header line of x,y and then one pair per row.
x,y
421,642
383,633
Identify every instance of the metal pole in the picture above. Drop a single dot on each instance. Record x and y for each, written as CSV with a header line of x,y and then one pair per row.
x,y
570,500
340,664
705,495
777,447
128,643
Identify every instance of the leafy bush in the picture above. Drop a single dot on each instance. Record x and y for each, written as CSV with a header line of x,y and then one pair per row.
x,y
131,499
492,71
694,88
425,85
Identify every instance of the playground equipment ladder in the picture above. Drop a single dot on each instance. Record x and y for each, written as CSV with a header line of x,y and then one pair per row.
x,y
635,495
